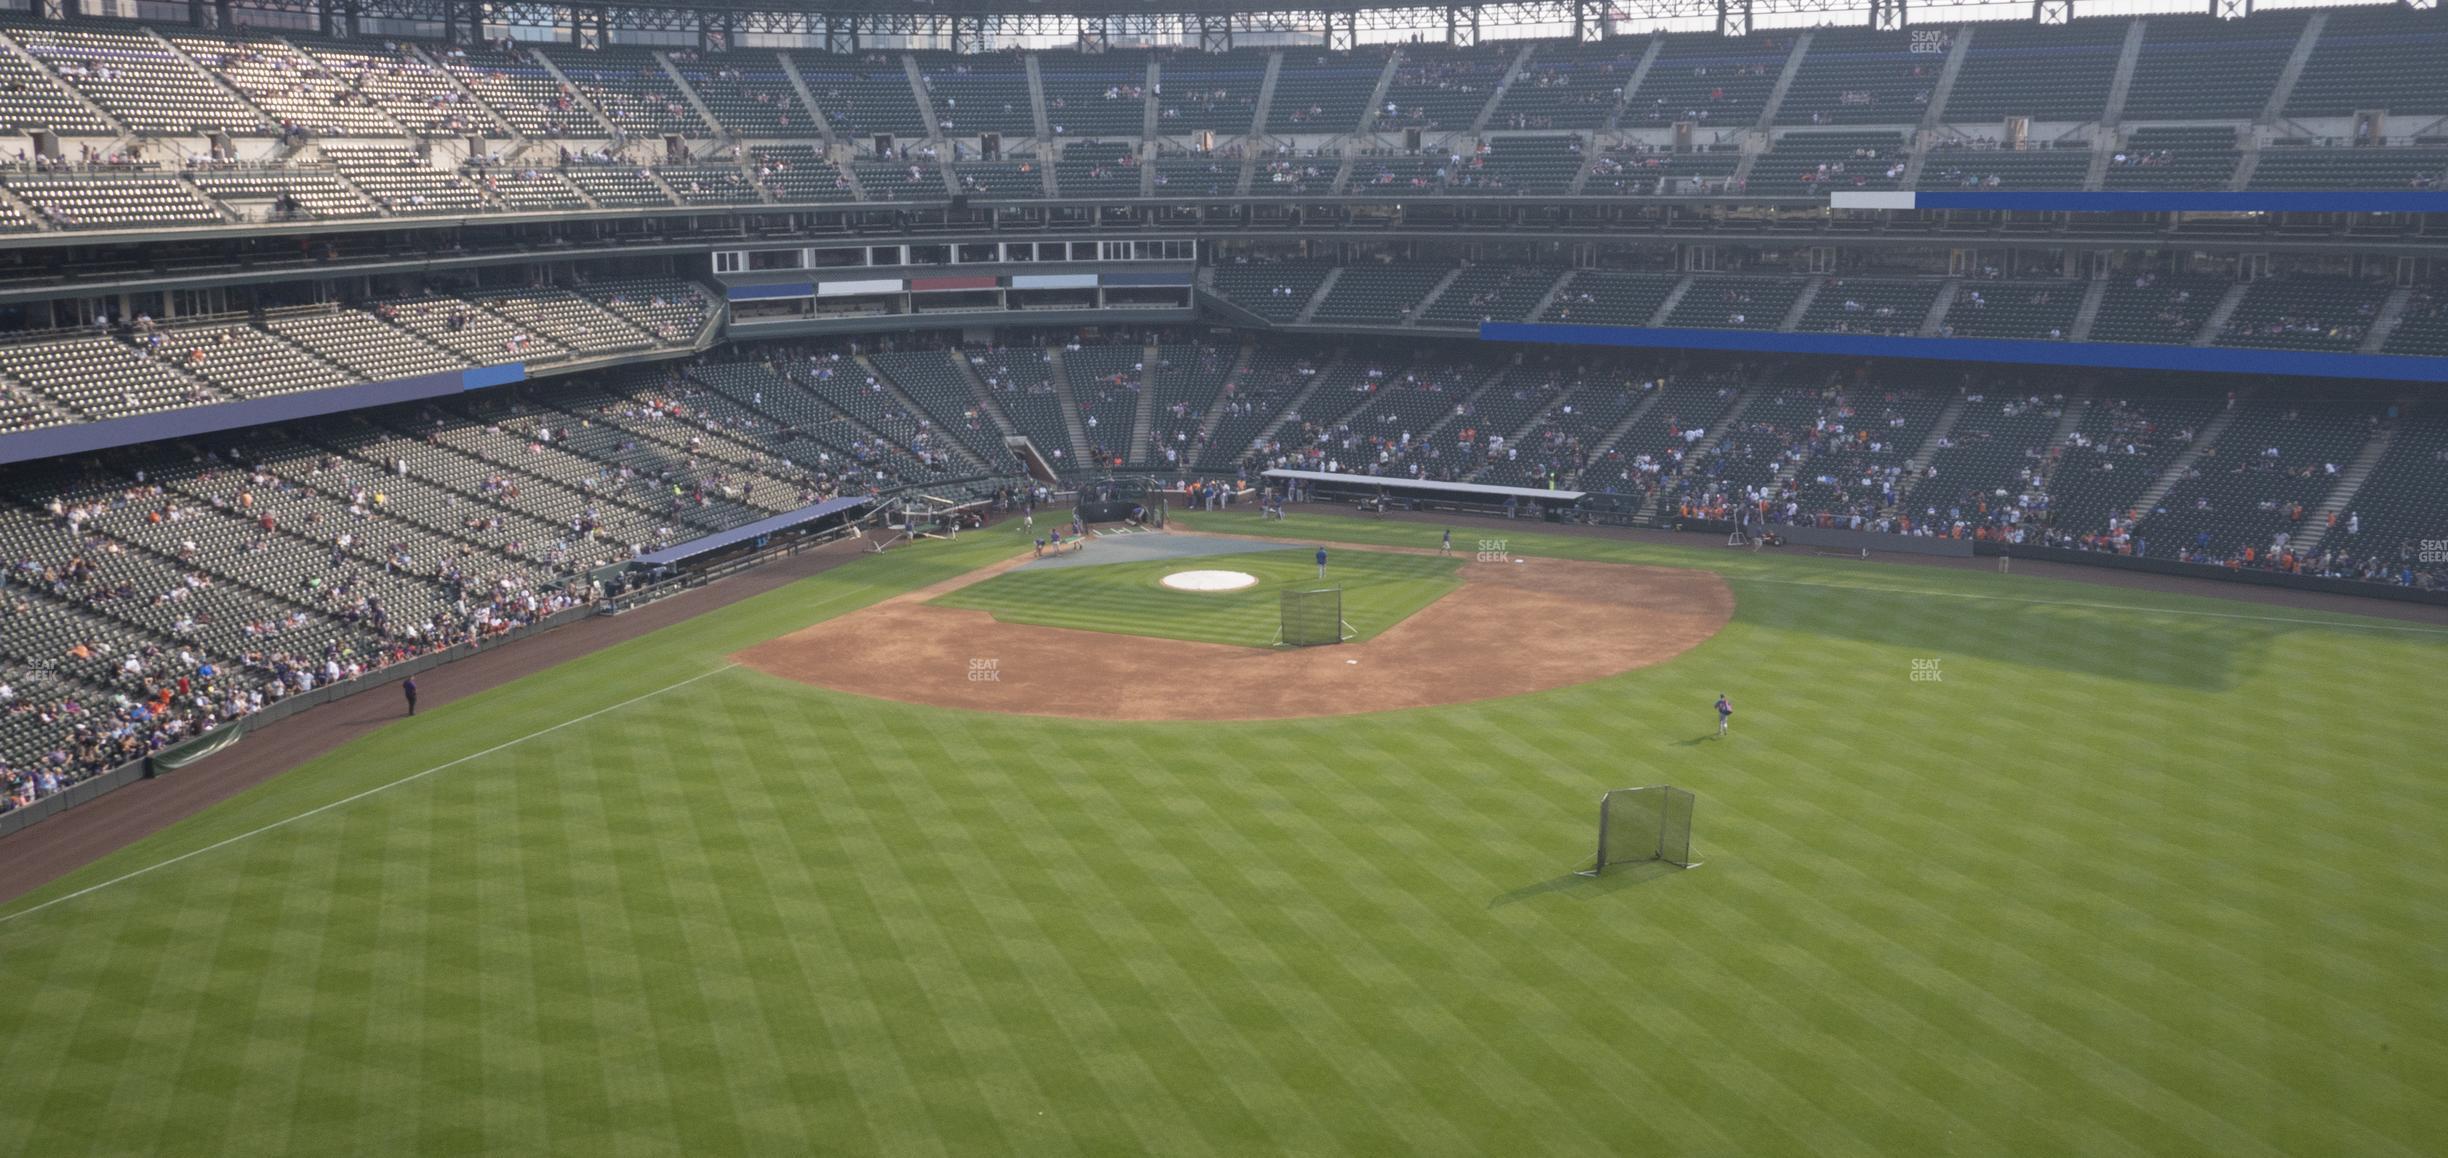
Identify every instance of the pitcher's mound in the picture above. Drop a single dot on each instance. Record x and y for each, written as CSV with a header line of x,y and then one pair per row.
x,y
1209,580
1509,630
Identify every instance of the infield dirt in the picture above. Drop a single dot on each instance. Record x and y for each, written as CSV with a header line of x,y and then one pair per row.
x,y
1510,629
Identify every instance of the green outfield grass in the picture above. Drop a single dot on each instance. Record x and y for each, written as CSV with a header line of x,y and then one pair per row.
x,y
2139,874
1379,591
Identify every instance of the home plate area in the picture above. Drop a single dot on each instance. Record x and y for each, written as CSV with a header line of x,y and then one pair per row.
x,y
1509,628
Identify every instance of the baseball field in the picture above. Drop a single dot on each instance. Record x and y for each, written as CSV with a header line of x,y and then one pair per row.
x,y
1993,865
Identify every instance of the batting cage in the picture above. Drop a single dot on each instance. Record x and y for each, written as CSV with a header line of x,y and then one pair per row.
x,y
1313,617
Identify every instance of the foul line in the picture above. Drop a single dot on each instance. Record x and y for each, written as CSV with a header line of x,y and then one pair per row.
x,y
2133,607
362,795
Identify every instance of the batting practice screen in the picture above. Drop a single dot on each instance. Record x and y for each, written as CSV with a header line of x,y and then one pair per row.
x,y
1642,824
1312,617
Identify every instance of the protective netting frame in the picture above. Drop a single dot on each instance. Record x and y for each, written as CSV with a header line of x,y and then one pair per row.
x,y
1312,617
1636,825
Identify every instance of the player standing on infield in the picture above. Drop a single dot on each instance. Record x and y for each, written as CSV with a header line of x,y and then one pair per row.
x,y
1321,562
1725,713
1447,547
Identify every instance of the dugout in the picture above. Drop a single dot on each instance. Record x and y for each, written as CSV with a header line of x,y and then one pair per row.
x,y
1430,495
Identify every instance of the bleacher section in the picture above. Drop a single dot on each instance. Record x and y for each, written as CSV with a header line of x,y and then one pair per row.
x,y
747,92
614,186
1524,166
403,185
1638,170
1254,401
2203,68
2026,311
242,361
1007,179
1094,94
1492,292
283,194
1441,89
587,329
102,377
2165,308
2175,158
935,382
1854,76
1215,92
1274,291
1606,298
1827,162
1992,463
1559,447
1182,389
297,90
1386,174
913,180
137,78
402,83
531,190
2282,167
1192,175
2305,313
1323,92
2117,451
31,100
1097,169
2273,464
798,173
709,184
2047,73
1108,385
2422,328
1570,86
1711,81
1981,168
1021,381
525,94
863,95
630,87
2399,505
116,201
1854,305
2374,58
1736,303
364,344
1290,176
1377,295
979,93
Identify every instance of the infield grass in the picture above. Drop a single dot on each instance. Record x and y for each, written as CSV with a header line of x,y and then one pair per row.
x,y
1380,589
2140,874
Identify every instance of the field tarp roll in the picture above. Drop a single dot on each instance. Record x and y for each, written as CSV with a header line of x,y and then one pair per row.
x,y
178,756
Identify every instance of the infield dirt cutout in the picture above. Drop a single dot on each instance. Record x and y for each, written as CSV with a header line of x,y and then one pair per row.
x,y
1509,630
